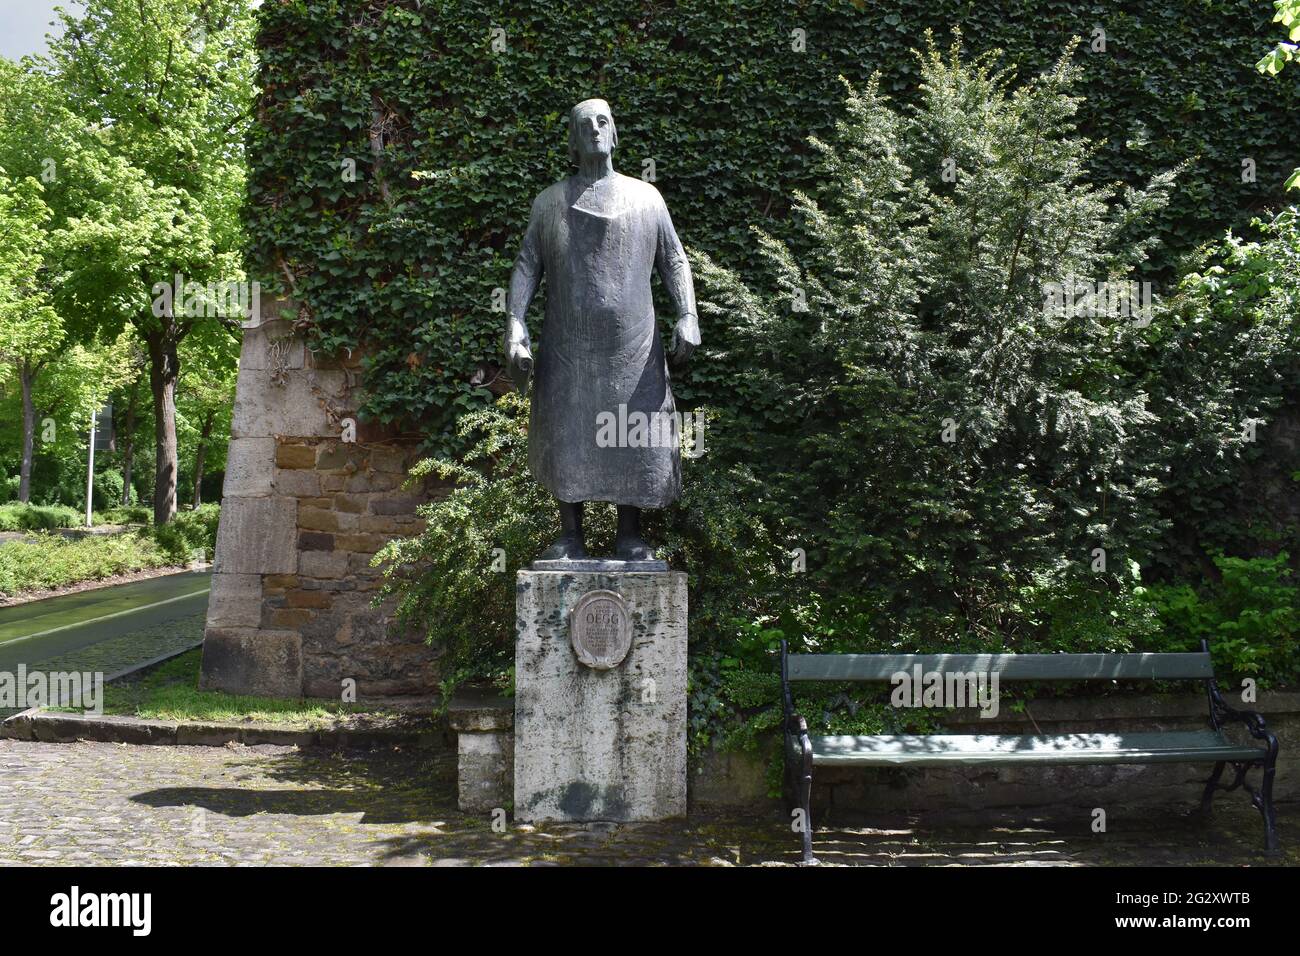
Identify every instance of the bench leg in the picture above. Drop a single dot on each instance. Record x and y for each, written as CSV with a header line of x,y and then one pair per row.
x,y
805,801
1262,800
1210,786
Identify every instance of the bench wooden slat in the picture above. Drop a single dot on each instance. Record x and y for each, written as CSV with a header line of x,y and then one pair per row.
x,y
935,750
881,667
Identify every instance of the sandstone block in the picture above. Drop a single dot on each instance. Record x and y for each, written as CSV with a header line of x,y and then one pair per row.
x,y
317,519
295,456
388,459
373,481
299,483
379,524
323,564
249,464
295,408
274,335
484,770
287,619
235,600
315,541
250,661
403,504
337,455
306,598
257,536
361,543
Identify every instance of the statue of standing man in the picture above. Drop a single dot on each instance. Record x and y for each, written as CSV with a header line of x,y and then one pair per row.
x,y
597,236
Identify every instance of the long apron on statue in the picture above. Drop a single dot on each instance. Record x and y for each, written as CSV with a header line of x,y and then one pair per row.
x,y
600,356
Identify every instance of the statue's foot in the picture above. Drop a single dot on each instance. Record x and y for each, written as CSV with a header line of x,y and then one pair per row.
x,y
632,548
567,547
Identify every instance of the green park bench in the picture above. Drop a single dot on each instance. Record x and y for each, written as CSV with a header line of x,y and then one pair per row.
x,y
804,751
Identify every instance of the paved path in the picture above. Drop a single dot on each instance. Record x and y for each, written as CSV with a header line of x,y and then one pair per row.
x,y
132,619
91,803
127,652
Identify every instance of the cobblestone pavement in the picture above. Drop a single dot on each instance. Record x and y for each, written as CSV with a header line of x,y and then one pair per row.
x,y
122,654
94,803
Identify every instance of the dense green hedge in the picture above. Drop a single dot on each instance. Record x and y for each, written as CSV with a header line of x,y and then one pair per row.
x,y
452,140
20,517
44,561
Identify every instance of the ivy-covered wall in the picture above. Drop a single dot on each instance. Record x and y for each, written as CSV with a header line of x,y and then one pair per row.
x,y
399,143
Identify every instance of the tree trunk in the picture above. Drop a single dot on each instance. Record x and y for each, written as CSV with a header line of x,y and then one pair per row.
x,y
164,368
202,453
26,375
128,450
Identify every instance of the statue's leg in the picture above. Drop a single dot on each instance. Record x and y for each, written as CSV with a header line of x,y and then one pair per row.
x,y
628,543
570,544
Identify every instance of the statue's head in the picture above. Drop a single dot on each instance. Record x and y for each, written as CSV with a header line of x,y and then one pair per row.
x,y
591,130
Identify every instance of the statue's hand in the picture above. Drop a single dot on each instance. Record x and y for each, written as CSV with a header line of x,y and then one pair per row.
x,y
521,364
686,336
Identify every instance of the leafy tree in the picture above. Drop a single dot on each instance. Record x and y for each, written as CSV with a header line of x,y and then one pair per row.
x,y
40,133
107,221
128,417
206,400
30,330
166,86
82,380
1288,14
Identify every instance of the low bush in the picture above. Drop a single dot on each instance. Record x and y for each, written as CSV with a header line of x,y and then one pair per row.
x,y
191,534
47,561
130,514
44,560
20,517
1250,615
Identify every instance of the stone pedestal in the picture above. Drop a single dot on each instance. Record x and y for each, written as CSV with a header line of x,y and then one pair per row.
x,y
605,740
483,724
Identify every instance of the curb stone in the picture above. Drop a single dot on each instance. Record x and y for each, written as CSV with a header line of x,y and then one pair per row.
x,y
48,727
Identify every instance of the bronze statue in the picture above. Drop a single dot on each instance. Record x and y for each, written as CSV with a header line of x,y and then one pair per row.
x,y
603,425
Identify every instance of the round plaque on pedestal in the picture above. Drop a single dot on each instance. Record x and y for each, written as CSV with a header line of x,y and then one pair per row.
x,y
600,629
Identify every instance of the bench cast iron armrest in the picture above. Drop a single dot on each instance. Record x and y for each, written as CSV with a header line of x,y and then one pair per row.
x,y
1221,710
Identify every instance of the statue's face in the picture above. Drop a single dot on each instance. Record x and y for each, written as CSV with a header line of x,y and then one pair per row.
x,y
595,131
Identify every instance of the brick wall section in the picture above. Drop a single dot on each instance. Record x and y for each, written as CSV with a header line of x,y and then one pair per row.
x,y
303,512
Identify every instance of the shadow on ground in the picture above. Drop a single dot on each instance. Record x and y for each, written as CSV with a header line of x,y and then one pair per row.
x,y
402,805
385,786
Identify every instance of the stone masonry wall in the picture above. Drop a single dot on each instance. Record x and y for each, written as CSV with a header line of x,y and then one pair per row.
x,y
303,512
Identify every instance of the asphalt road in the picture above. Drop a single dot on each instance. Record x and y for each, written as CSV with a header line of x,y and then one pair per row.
x,y
38,631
